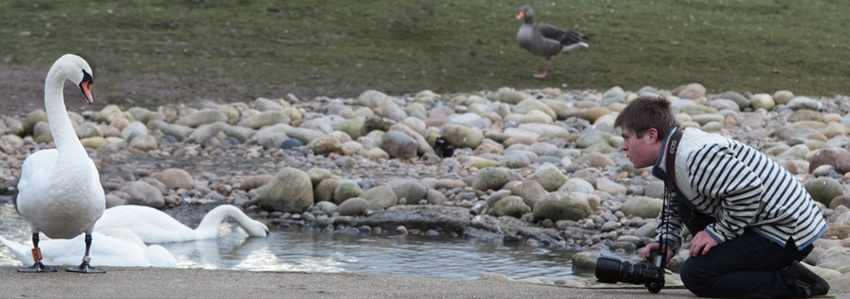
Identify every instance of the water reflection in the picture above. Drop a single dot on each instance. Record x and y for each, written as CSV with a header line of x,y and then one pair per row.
x,y
305,250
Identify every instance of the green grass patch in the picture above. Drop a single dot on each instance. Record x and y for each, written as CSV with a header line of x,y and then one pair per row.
x,y
162,51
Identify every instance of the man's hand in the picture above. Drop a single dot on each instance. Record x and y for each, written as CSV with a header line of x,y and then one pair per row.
x,y
701,243
655,247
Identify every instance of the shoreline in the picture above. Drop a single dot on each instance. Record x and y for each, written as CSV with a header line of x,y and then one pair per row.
x,y
194,283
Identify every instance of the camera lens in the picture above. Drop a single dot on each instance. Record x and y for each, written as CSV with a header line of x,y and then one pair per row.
x,y
608,269
611,269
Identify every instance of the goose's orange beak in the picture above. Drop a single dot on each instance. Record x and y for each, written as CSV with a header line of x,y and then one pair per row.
x,y
85,86
521,15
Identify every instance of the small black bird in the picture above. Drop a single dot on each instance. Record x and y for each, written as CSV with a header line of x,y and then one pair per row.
x,y
443,147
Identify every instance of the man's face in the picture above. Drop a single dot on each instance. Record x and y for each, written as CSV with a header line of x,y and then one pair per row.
x,y
642,151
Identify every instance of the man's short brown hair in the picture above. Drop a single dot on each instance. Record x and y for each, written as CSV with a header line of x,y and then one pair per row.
x,y
646,112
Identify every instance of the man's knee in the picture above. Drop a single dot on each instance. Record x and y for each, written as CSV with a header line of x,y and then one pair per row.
x,y
694,277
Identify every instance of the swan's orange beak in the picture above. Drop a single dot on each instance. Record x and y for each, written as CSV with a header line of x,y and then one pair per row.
x,y
85,86
521,15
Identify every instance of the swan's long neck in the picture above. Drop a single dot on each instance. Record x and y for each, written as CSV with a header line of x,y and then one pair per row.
x,y
60,124
208,228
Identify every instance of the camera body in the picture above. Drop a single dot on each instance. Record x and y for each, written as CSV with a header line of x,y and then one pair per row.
x,y
611,269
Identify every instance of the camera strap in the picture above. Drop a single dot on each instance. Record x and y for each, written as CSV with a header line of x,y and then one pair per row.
x,y
669,187
672,146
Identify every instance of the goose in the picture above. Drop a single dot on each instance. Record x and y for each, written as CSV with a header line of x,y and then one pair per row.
x,y
59,191
545,40
114,248
155,226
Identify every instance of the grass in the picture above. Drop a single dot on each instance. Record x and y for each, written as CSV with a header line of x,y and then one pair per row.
x,y
164,51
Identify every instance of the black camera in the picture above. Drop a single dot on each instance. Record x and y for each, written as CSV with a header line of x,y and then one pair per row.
x,y
611,269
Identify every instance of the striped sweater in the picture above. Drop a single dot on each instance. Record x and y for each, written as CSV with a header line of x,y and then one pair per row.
x,y
741,188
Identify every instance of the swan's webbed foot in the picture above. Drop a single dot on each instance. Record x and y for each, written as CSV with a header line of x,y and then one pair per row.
x,y
85,268
38,267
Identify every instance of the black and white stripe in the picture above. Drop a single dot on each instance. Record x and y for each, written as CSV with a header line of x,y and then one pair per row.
x,y
741,187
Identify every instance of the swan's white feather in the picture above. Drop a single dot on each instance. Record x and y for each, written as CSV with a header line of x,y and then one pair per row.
x,y
109,248
155,226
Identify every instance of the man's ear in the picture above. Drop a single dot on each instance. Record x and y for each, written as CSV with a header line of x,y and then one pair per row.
x,y
653,135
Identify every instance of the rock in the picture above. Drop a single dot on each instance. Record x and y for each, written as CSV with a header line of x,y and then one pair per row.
x,y
693,91
41,133
265,118
550,177
289,191
399,145
179,131
175,178
762,101
434,197
318,174
34,117
841,200
380,197
490,178
354,206
597,160
94,142
290,143
615,91
324,191
513,206
133,130
803,103
738,98
530,191
254,181
585,260
462,136
113,200
839,159
823,190
532,104
326,206
508,95
591,137
644,207
354,127
143,194
412,190
576,185
608,186
143,143
326,146
346,189
561,206
264,104
87,130
782,97
206,116
376,154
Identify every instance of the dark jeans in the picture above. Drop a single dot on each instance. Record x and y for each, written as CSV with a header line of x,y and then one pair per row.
x,y
747,266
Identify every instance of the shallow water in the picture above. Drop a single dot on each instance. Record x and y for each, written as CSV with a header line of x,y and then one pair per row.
x,y
305,250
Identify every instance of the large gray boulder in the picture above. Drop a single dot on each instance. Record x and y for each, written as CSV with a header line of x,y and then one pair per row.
x,y
561,206
380,197
513,206
289,191
490,178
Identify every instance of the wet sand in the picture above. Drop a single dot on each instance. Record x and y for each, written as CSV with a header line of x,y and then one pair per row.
x,y
193,283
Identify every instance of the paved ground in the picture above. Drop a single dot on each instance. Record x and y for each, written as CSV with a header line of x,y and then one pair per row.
x,y
190,283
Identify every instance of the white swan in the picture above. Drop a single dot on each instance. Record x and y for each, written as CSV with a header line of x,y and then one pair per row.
x,y
114,247
59,192
155,226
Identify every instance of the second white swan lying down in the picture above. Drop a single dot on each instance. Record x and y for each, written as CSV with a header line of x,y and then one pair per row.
x,y
113,247
155,226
